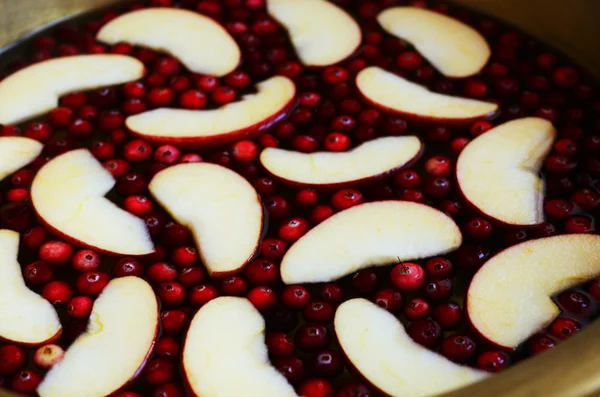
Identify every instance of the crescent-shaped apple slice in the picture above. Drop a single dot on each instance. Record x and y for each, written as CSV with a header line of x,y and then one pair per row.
x,y
322,33
376,343
370,161
225,353
199,42
222,210
119,338
498,172
35,90
371,234
68,195
395,94
25,317
16,152
454,48
509,297
237,120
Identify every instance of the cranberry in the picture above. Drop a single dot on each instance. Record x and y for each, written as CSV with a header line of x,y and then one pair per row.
x,y
346,198
389,299
135,89
192,276
539,343
56,253
315,388
565,76
393,125
159,371
448,315
318,312
472,257
354,389
37,273
57,292
244,151
12,359
202,294
137,205
586,199
91,283
579,224
173,322
493,361
478,228
280,344
277,207
327,363
293,229
558,209
407,179
305,143
16,216
439,268
365,282
307,198
161,272
337,142
562,327
35,237
234,285
26,382
80,307
427,333
332,293
458,348
575,302
38,131
320,213
311,337
184,256
263,298
127,267
272,248
439,290
137,151
293,368
407,276
130,184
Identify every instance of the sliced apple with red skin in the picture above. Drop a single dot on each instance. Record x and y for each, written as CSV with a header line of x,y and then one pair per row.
x,y
237,120
395,94
370,161
498,172
119,338
25,317
452,47
16,152
68,195
35,90
221,209
377,345
199,42
225,353
372,234
322,33
509,297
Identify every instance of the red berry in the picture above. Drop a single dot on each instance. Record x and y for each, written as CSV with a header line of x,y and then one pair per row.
x,y
295,297
12,359
85,261
407,276
389,299
56,252
335,75
137,151
263,298
223,95
579,224
565,76
280,344
160,97
167,347
539,343
184,256
478,228
311,337
192,276
439,268
159,371
448,315
293,229
80,307
438,166
318,312
480,127
562,327
332,293
458,348
234,285
26,382
328,363
202,294
438,290
346,198
409,60
337,142
293,368
244,151
91,283
316,387
173,322
262,272
57,292
575,302
427,333
37,273
127,267
137,205
35,237
320,213
272,248
161,272
365,282
116,167
407,179
493,361
171,293
167,154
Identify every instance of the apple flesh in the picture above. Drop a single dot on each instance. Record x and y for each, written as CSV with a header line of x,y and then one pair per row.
x,y
372,234
68,196
234,121
377,345
322,33
35,90
225,353
199,42
16,152
119,338
452,47
509,297
369,161
221,209
498,172
25,317
395,94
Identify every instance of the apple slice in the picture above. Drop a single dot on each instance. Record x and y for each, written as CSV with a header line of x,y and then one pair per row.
x,y
16,152
25,317
120,336
371,160
376,343
452,47
372,234
322,33
225,353
237,120
35,90
68,195
199,42
509,297
222,210
395,94
498,172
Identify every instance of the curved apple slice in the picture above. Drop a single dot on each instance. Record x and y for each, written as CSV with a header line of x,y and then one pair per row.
x,y
452,47
321,32
16,152
222,210
497,172
237,120
376,343
199,42
371,160
120,336
225,353
35,90
25,317
372,234
529,272
395,94
68,195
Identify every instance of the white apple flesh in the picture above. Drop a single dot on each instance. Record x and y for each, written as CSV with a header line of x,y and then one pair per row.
x,y
68,195
16,152
225,353
372,234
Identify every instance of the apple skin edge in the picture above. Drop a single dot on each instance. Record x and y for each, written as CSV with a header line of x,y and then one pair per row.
x,y
53,339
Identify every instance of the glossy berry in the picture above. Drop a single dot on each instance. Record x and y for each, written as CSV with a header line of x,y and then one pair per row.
x,y
127,267
458,348
91,283
478,228
563,328
311,337
332,293
439,290
80,307
263,298
427,333
191,276
161,272
56,253
26,381
318,312
365,282
439,268
171,293
327,363
293,229
539,343
417,309
202,294
184,256
137,205
575,302
234,286
12,359
407,276
448,315
293,368
272,248
37,273
280,344
389,299
315,387
245,151
159,371
57,292
346,198
173,322
493,361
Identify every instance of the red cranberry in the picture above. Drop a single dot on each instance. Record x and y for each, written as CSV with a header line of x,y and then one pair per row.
x,y
173,322
389,299
127,267
586,199
161,272
478,228
272,248
262,272
12,359
539,343
293,229
579,224
38,131
91,283
26,382
37,273
184,256
320,213
80,307
293,368
56,253
202,294
438,290
346,198
61,117
35,237
393,125
365,282
458,348
16,216
159,371
137,205
427,333
439,268
316,388
263,298
354,389
235,286
407,179
472,257
305,143
116,167
332,293
277,207
318,312
137,151
307,198
311,337
337,142
327,363
562,327
565,76
280,344
192,276
131,184
493,361
245,151
57,292
448,315
223,95
407,276
575,302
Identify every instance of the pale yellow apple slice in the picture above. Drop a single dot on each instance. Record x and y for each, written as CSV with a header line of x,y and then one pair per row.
x,y
509,297
16,152
199,42
237,120
498,172
452,47
321,32
395,94
25,317
222,210
371,160
120,335
35,90
376,343
68,195
373,234
225,353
